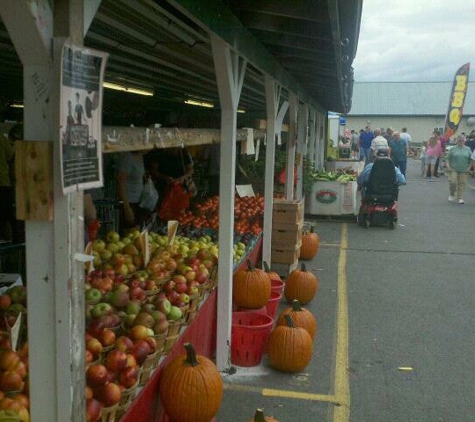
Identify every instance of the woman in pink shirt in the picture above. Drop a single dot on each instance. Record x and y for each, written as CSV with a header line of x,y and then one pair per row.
x,y
433,151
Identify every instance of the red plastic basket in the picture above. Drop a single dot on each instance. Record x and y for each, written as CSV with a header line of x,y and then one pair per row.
x,y
262,311
277,286
249,334
273,303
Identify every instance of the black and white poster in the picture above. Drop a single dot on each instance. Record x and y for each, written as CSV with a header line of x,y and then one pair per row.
x,y
82,74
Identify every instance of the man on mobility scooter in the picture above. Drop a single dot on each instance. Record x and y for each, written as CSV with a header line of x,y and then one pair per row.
x,y
379,183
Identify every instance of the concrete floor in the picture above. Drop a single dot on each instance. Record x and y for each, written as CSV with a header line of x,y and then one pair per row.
x,y
410,297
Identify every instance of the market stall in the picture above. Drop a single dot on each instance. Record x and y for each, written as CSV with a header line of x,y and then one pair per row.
x,y
181,54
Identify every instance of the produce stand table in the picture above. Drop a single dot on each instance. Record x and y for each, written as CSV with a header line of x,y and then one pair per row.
x,y
202,334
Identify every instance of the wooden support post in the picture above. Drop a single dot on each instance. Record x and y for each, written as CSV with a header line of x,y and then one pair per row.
x,y
311,151
55,279
302,131
291,146
230,70
273,91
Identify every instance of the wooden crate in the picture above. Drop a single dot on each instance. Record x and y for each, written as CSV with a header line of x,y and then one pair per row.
x,y
285,254
285,234
287,212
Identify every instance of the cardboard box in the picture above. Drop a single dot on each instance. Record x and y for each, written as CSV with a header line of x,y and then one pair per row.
x,y
287,212
285,234
285,254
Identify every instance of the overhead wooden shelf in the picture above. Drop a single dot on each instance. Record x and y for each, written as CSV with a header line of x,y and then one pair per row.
x,y
121,139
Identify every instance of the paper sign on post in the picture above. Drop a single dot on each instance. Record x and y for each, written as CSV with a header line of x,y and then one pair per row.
x,y
89,264
244,190
172,229
258,147
145,247
15,332
247,146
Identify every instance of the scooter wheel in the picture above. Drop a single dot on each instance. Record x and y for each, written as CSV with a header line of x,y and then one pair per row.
x,y
392,225
366,223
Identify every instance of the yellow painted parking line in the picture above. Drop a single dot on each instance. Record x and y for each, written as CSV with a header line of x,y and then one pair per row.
x,y
341,413
334,245
270,392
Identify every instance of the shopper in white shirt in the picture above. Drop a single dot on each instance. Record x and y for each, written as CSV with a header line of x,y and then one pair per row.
x,y
379,143
406,137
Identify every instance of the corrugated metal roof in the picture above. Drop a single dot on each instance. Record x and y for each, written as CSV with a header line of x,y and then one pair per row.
x,y
406,98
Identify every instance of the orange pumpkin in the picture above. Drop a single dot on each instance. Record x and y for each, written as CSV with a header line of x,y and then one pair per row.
x,y
301,285
290,348
191,388
301,317
259,417
251,287
310,244
272,274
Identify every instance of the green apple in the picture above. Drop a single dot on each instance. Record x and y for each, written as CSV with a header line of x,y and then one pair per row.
x,y
112,236
17,294
133,307
112,247
101,309
98,245
175,313
93,295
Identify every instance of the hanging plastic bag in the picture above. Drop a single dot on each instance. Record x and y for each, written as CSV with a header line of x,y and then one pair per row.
x,y
175,199
149,196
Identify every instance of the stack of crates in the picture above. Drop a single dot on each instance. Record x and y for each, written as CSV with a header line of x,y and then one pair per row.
x,y
287,223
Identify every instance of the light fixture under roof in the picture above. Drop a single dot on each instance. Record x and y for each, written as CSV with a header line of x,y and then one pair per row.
x,y
199,103
17,105
128,89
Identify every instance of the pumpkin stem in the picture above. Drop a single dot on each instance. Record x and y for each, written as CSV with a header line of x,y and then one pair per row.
x,y
296,306
289,321
304,268
259,416
249,265
266,267
311,229
190,355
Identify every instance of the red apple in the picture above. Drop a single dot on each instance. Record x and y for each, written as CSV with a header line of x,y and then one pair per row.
x,y
109,394
5,302
94,346
138,332
180,287
96,375
124,344
93,410
140,351
168,286
116,360
107,338
95,328
129,376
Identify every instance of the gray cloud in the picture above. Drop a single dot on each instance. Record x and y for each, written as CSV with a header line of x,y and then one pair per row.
x,y
415,40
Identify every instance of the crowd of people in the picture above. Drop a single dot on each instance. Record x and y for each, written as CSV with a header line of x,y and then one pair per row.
x,y
438,156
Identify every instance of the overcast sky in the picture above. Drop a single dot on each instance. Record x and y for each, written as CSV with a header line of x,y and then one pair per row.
x,y
415,40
